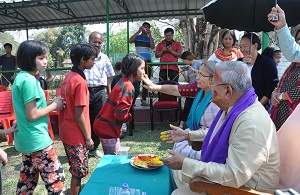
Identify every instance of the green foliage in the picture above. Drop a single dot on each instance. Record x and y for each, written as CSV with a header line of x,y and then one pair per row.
x,y
69,36
8,38
50,60
49,37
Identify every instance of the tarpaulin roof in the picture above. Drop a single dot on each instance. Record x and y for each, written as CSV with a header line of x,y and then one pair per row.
x,y
36,14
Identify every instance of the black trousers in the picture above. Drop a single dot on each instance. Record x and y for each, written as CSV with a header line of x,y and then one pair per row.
x,y
97,100
187,107
166,74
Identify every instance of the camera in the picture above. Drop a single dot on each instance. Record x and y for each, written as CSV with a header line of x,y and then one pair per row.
x,y
275,18
168,43
185,68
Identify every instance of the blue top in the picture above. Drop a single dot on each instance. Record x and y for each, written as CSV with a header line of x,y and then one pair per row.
x,y
290,49
191,74
142,46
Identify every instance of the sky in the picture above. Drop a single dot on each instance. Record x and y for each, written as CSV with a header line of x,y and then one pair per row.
x,y
20,36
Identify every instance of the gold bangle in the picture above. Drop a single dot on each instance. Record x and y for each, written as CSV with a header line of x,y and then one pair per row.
x,y
188,138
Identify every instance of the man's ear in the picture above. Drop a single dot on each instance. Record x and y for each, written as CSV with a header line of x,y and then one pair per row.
x,y
229,92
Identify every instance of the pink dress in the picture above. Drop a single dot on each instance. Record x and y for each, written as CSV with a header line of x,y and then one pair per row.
x,y
289,148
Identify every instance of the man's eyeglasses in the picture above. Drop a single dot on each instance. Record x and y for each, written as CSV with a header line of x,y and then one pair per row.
x,y
199,73
215,85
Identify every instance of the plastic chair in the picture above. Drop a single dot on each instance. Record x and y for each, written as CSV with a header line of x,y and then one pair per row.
x,y
50,130
289,147
3,88
165,103
55,113
7,116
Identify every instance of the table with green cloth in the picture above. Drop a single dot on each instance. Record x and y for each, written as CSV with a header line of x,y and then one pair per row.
x,y
113,171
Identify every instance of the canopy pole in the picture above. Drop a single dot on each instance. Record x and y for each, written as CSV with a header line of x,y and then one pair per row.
x,y
265,40
127,33
27,34
107,28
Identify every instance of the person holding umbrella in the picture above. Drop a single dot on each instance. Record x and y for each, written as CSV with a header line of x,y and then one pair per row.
x,y
263,69
287,43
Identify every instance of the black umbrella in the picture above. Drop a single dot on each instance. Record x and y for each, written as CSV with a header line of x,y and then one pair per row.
x,y
249,15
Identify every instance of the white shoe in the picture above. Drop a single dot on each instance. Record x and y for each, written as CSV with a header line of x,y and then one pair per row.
x,y
96,153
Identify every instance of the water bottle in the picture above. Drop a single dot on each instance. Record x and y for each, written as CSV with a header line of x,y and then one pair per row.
x,y
125,189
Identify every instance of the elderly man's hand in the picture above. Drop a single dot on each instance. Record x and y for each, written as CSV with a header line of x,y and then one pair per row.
x,y
175,162
175,135
280,13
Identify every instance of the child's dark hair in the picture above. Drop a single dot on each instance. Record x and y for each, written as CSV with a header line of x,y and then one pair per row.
x,y
118,66
268,51
187,55
82,50
130,64
28,51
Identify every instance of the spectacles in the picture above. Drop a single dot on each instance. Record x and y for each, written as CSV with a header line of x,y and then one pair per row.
x,y
199,73
215,85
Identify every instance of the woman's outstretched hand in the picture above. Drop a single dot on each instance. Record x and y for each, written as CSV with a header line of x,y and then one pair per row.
x,y
148,84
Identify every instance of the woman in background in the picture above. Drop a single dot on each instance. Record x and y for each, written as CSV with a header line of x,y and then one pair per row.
x,y
228,52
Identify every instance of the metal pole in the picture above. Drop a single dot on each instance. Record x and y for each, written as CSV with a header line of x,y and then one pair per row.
x,y
127,33
27,35
107,28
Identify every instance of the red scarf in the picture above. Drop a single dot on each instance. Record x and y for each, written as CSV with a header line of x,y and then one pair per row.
x,y
224,56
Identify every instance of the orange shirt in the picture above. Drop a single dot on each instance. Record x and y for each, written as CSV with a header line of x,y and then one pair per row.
x,y
75,92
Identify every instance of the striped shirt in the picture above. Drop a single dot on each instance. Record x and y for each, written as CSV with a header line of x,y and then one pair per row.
x,y
142,46
115,110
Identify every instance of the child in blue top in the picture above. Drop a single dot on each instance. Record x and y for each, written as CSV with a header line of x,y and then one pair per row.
x,y
32,138
189,74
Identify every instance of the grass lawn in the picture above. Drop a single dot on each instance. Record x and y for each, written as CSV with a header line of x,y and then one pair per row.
x,y
143,141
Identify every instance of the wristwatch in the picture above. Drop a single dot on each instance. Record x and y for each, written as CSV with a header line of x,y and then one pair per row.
x,y
280,96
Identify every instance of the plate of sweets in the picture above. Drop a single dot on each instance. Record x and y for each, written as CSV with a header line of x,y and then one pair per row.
x,y
146,162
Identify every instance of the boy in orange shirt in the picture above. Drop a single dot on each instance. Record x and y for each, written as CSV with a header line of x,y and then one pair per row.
x,y
75,129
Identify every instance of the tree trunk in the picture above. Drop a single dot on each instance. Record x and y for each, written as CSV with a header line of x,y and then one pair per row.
x,y
200,37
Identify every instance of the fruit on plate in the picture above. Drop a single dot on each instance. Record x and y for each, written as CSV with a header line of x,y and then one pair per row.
x,y
147,161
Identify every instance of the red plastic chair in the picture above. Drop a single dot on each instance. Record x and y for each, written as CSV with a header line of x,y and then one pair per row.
x,y
3,88
47,94
7,116
165,103
55,113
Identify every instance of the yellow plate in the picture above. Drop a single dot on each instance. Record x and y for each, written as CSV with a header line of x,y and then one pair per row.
x,y
142,167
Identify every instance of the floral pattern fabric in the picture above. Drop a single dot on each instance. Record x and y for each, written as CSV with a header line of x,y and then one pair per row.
x,y
45,163
78,160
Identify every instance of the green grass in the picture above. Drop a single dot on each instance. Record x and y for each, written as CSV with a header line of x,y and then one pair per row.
x,y
143,141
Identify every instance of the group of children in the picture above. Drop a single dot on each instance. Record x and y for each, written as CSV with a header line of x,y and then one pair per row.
x,y
31,109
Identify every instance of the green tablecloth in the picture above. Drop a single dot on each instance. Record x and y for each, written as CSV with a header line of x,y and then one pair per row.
x,y
113,171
